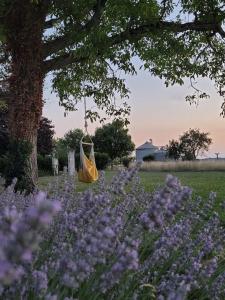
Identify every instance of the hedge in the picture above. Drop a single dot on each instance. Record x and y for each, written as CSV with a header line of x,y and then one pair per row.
x,y
149,157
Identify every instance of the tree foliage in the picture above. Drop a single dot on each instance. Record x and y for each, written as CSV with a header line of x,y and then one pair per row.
x,y
16,165
194,143
88,46
72,139
45,137
86,42
191,144
174,149
113,139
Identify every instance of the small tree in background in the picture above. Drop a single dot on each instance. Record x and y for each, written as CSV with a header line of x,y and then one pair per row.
x,y
194,143
174,150
190,145
72,139
126,161
61,152
15,161
113,139
45,137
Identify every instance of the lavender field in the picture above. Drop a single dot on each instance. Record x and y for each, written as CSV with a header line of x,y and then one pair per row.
x,y
114,241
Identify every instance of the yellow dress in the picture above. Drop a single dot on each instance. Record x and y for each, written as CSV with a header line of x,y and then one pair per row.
x,y
87,172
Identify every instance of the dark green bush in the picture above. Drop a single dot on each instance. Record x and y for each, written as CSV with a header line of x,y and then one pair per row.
x,y
126,161
101,159
2,164
16,165
63,161
77,161
149,157
44,164
4,141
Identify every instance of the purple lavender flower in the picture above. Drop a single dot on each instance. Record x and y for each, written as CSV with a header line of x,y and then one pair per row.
x,y
20,235
40,281
126,260
97,241
165,204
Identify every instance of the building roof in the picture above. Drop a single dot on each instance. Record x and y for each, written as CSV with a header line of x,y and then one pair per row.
x,y
147,145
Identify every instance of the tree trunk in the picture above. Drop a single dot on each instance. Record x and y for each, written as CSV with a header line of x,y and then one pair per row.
x,y
24,41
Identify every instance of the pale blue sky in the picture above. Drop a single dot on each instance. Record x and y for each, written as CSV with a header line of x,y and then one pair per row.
x,y
157,112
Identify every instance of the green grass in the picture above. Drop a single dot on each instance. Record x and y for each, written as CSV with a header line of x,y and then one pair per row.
x,y
201,182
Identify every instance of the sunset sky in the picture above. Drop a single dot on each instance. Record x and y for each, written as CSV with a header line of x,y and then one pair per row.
x,y
157,112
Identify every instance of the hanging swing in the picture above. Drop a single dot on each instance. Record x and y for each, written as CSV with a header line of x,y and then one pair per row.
x,y
87,170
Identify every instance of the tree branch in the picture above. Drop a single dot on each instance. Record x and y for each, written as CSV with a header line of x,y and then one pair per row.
x,y
98,10
175,27
50,23
61,61
130,34
65,41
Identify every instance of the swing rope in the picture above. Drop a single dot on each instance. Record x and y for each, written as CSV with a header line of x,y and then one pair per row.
x,y
88,172
86,125
85,116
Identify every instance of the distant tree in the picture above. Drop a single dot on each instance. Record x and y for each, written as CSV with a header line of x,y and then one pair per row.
x,y
190,145
174,150
193,143
45,137
113,139
126,161
72,139
61,152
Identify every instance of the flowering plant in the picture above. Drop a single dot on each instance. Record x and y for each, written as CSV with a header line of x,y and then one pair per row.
x,y
114,241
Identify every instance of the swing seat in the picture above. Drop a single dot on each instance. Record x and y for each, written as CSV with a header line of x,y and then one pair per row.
x,y
88,172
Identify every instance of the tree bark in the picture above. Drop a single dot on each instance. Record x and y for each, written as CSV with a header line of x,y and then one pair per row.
x,y
25,26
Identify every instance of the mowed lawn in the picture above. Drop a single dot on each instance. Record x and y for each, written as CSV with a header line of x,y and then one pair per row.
x,y
202,183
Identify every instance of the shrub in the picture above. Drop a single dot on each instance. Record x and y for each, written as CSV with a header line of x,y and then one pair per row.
x,y
126,161
77,161
63,161
102,160
149,157
44,164
16,164
2,164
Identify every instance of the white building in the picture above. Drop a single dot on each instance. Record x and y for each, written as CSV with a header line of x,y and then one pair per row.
x,y
148,148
